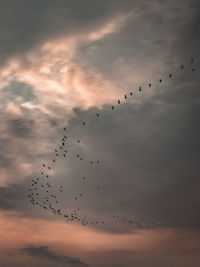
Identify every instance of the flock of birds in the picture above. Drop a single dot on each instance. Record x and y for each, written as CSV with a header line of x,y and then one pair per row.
x,y
48,199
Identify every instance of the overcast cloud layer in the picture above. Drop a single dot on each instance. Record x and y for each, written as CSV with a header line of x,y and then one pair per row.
x,y
62,62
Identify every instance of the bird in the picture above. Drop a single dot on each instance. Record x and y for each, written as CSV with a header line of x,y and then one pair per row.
x,y
125,96
97,114
181,66
43,165
160,80
118,101
112,107
131,93
140,88
83,123
64,129
149,84
78,141
170,75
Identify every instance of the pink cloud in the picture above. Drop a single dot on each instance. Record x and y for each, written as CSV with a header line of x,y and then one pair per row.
x,y
78,241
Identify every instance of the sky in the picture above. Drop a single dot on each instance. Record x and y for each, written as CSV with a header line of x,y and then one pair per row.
x,y
131,172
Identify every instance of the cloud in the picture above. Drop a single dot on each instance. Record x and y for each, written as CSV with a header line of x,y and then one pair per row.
x,y
92,246
49,20
46,253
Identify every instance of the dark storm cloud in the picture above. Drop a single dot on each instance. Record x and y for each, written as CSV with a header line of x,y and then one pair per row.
x,y
149,154
46,253
156,38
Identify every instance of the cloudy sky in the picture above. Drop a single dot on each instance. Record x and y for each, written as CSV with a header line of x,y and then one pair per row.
x,y
64,62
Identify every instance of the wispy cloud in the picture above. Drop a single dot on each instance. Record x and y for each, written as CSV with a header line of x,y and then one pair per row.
x,y
46,253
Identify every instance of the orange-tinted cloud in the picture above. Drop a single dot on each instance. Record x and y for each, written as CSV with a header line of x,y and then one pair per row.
x,y
57,78
77,241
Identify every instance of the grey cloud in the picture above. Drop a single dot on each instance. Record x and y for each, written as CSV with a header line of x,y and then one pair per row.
x,y
149,161
149,154
26,24
18,90
148,151
21,128
46,253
